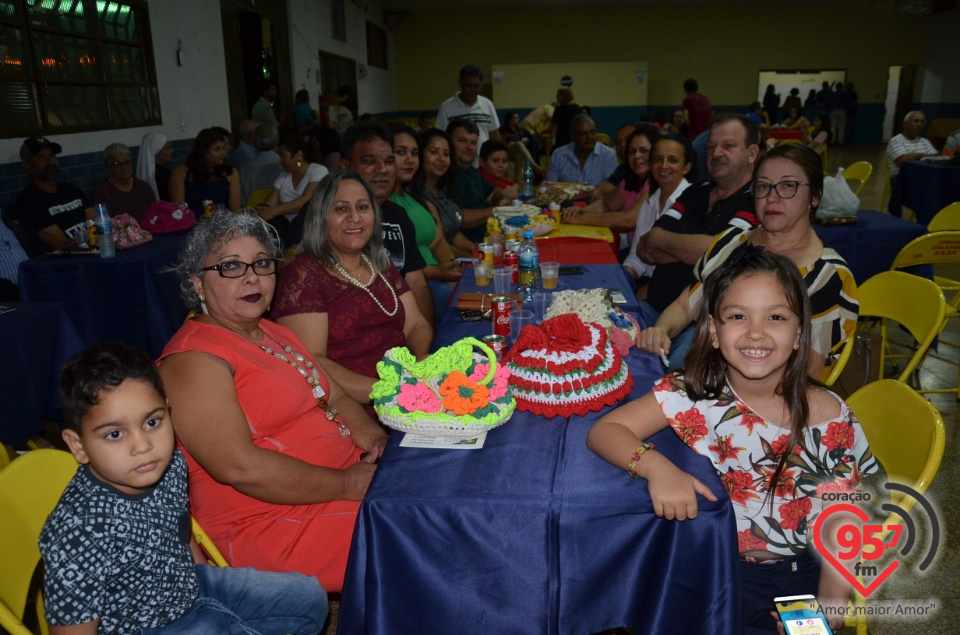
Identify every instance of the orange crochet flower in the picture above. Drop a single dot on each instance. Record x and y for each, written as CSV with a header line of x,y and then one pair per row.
x,y
462,396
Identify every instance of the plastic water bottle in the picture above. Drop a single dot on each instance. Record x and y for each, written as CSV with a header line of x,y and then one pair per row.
x,y
528,181
528,257
104,232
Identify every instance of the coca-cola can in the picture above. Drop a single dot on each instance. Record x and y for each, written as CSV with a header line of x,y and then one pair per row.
x,y
501,315
498,343
512,261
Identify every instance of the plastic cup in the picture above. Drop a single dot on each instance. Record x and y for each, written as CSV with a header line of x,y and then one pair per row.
x,y
497,242
541,303
519,318
502,280
481,273
549,273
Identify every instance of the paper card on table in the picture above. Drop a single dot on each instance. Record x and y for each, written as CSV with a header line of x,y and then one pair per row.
x,y
411,440
616,296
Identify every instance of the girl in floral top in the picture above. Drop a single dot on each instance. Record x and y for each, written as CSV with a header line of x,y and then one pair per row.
x,y
745,401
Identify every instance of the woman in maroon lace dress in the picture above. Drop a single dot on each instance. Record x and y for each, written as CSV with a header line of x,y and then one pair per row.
x,y
341,295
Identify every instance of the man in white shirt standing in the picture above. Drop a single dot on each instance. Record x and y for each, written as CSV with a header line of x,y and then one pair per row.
x,y
469,104
909,145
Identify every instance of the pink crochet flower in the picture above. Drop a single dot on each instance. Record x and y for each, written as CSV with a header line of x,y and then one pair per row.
x,y
418,397
498,387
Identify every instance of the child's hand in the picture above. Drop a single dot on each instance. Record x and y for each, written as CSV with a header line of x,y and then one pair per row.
x,y
674,493
653,340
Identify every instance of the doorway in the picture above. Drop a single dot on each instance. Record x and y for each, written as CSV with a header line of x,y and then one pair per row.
x,y
899,100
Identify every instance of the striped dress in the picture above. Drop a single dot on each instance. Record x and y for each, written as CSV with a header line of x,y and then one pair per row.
x,y
834,301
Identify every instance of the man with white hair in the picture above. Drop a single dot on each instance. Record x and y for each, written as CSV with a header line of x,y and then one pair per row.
x,y
246,149
909,145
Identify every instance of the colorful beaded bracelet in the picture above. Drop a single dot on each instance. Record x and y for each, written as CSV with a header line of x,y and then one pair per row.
x,y
632,465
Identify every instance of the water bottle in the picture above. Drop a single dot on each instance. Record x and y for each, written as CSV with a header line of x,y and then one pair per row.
x,y
528,181
529,260
104,232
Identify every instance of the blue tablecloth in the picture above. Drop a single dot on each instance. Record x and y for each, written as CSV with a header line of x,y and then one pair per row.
x,y
536,534
927,187
128,298
35,340
870,245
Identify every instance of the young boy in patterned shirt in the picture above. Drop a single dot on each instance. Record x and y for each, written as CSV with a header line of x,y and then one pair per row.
x,y
118,550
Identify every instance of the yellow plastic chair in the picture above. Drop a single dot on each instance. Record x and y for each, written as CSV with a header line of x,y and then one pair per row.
x,y
258,198
946,219
886,182
603,138
909,459
214,556
914,302
860,172
937,248
825,158
30,488
831,374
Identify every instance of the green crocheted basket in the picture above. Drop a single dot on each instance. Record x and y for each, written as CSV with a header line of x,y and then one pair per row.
x,y
457,391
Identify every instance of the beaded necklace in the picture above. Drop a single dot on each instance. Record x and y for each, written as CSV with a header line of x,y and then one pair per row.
x,y
312,377
374,273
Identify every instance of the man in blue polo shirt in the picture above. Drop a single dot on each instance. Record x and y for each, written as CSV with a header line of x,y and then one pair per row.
x,y
583,160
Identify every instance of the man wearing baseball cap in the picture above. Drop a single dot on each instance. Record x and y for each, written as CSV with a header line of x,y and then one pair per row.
x,y
49,209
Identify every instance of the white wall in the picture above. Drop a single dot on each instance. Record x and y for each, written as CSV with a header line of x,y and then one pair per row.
x,y
310,32
192,96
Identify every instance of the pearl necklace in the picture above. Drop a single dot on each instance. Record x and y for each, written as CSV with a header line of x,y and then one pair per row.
x,y
373,274
312,377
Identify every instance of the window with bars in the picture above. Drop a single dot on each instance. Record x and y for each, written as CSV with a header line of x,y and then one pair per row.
x,y
75,65
376,46
338,20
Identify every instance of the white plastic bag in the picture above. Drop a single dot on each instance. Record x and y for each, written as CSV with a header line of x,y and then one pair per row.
x,y
838,199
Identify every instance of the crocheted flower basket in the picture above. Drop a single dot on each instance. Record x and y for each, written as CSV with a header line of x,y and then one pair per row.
x,y
566,367
454,392
595,305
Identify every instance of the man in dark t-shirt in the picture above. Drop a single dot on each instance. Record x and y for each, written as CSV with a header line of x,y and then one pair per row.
x,y
51,211
367,149
682,235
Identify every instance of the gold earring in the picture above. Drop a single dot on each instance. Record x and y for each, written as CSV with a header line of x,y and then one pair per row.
x,y
203,306
299,164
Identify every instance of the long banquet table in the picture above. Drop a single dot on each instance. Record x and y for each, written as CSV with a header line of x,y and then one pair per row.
x,y
534,533
926,187
870,245
35,340
131,298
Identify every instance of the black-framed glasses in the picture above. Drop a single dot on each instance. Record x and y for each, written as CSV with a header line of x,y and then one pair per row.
x,y
785,189
121,164
238,269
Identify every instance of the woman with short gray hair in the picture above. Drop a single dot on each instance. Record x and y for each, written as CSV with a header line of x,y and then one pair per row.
x,y
121,192
341,295
279,455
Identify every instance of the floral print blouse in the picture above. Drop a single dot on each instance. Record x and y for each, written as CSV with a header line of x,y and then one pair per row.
x,y
745,448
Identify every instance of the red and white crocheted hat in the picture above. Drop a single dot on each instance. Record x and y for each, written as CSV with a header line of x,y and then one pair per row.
x,y
566,367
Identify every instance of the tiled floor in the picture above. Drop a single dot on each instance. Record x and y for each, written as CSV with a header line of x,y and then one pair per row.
x,y
940,583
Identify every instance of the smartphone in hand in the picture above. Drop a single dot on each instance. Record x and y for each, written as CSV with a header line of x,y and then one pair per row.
x,y
801,615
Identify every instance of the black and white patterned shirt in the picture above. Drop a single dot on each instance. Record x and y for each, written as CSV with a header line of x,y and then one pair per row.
x,y
119,558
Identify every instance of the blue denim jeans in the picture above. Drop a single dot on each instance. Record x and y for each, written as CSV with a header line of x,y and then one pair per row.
x,y
246,601
678,345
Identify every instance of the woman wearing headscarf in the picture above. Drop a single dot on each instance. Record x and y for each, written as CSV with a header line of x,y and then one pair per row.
x,y
155,153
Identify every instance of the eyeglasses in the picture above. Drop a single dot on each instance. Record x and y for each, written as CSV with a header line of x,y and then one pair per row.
x,y
237,269
785,189
121,164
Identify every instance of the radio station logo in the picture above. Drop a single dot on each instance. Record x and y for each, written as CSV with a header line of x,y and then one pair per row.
x,y
868,542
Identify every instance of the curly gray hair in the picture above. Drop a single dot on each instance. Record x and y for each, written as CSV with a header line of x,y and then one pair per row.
x,y
212,233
